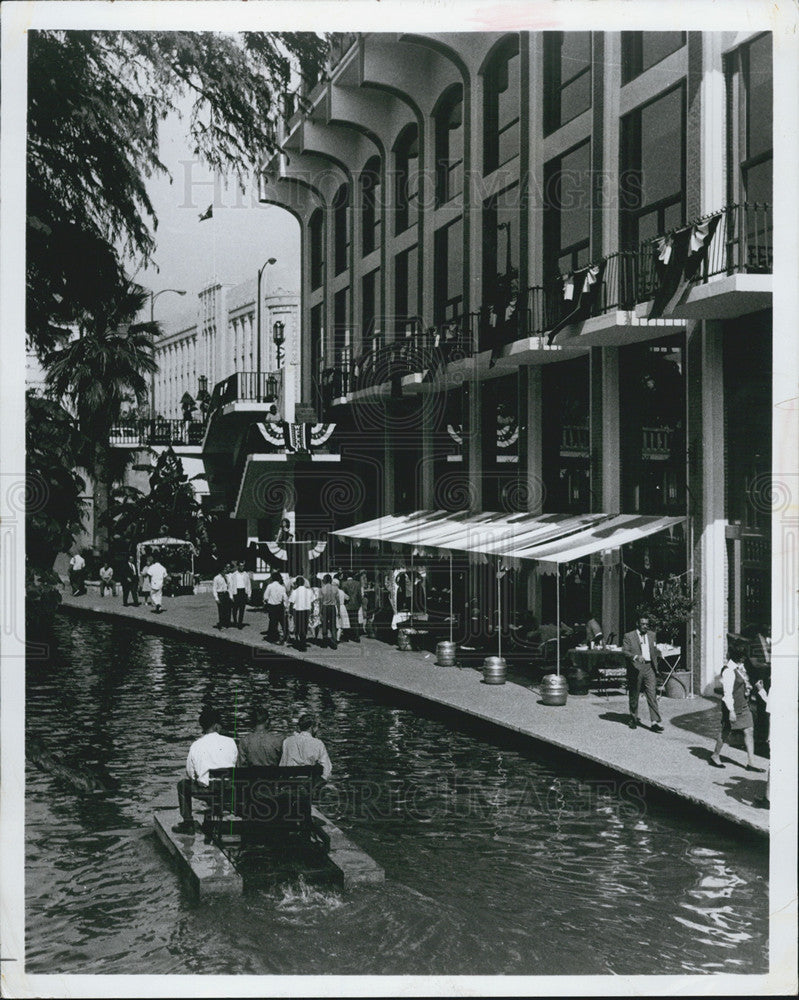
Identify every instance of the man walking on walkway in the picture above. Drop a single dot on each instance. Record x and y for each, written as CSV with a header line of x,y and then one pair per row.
x,y
220,587
156,573
328,600
209,751
239,593
642,656
77,572
129,578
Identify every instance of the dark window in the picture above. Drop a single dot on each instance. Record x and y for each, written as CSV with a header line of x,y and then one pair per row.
x,y
371,206
406,286
341,227
501,112
652,178
449,272
406,178
341,331
567,213
500,243
370,309
316,236
640,50
317,352
449,145
757,151
567,77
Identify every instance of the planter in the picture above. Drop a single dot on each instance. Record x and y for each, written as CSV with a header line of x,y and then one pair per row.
x,y
495,670
554,690
678,686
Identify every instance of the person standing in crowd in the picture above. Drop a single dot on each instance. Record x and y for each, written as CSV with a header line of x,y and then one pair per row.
x,y
303,749
765,800
156,574
129,578
315,620
209,751
328,606
220,588
275,600
642,656
144,585
107,579
736,715
352,589
342,615
300,600
261,747
77,574
239,591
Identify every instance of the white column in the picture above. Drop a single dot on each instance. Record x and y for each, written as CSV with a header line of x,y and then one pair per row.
x,y
713,118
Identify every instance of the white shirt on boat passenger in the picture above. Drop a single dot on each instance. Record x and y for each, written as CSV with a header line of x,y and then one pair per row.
x,y
210,751
304,750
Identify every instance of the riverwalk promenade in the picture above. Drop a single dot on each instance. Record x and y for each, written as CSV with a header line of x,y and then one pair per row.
x,y
592,726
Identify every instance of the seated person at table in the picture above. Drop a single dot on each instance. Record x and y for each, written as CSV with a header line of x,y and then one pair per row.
x,y
209,751
303,749
593,631
261,747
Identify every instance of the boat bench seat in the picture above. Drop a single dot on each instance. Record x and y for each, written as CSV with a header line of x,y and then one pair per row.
x,y
260,801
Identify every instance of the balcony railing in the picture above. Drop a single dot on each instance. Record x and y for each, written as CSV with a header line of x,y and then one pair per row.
x,y
340,44
137,433
247,387
656,442
575,437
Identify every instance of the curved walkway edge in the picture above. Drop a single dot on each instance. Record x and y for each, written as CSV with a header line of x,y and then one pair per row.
x,y
591,726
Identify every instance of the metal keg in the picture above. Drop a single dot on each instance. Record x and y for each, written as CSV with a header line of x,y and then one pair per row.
x,y
403,639
554,690
494,670
446,654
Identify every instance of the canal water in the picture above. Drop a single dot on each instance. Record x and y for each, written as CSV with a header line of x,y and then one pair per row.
x,y
499,859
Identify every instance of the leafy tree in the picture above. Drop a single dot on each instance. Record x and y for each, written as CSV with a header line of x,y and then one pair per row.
x,y
55,508
97,373
95,102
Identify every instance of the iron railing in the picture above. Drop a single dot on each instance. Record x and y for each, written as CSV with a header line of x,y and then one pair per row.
x,y
340,44
247,387
159,431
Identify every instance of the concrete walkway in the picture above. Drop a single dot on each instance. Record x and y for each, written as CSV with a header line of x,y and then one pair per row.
x,y
592,726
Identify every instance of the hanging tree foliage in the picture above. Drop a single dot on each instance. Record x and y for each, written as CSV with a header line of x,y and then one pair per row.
x,y
95,103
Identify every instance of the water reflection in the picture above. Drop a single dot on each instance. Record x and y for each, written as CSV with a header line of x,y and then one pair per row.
x,y
497,861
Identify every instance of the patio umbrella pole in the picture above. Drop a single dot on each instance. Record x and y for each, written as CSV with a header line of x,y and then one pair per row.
x,y
499,612
450,596
557,616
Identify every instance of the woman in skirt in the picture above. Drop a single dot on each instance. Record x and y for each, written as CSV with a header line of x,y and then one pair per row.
x,y
736,715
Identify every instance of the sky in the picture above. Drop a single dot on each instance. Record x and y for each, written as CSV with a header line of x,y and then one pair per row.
x,y
233,244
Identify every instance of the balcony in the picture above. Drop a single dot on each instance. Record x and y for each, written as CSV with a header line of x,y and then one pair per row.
x,y
523,338
236,401
656,443
735,277
575,441
340,45
147,433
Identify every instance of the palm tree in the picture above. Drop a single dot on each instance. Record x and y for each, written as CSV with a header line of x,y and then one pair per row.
x,y
109,362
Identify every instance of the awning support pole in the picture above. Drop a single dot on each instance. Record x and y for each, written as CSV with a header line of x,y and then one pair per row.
x,y
499,612
450,596
557,615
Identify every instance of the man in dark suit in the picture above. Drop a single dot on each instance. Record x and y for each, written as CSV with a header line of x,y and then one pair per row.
x,y
642,657
129,577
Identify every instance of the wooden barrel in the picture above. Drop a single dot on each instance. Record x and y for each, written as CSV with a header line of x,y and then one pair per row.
x,y
403,639
554,690
494,670
446,654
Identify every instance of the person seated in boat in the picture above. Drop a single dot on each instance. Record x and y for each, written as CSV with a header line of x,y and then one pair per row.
x,y
211,750
263,746
303,749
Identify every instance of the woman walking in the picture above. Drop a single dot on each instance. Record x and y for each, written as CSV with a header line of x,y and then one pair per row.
x,y
145,586
736,715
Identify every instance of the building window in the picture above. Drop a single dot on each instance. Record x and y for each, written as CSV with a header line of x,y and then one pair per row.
x,y
341,330
749,83
316,236
371,206
406,294
640,50
567,211
370,309
448,272
341,228
448,118
317,353
501,110
652,182
406,178
567,77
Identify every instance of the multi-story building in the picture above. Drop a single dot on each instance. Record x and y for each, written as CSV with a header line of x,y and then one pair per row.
x,y
537,278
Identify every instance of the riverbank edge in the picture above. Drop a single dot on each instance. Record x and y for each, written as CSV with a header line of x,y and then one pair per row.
x,y
288,656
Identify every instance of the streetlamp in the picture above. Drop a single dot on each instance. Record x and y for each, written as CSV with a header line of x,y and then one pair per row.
x,y
279,337
272,260
153,297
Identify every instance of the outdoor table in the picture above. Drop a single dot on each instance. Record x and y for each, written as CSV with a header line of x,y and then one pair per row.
x,y
601,664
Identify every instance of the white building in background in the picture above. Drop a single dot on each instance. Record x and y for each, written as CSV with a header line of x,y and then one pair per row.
x,y
221,338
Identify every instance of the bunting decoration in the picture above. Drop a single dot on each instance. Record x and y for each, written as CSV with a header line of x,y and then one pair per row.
x,y
303,438
678,257
317,550
582,289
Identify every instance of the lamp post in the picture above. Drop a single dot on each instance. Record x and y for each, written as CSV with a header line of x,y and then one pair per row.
x,y
279,337
153,297
272,260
